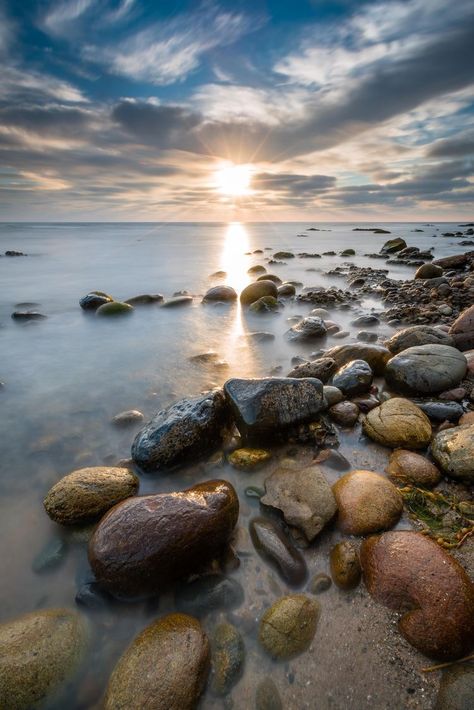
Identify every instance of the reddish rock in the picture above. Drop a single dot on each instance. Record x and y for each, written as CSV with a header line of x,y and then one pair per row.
x,y
410,573
344,413
467,418
406,467
462,330
367,503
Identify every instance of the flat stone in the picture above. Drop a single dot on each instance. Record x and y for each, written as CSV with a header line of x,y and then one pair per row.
x,y
398,423
417,335
322,368
367,503
274,547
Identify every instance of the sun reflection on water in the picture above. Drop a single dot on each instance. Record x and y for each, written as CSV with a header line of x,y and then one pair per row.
x,y
233,259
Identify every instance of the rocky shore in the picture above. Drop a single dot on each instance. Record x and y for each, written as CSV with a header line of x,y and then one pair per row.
x,y
279,539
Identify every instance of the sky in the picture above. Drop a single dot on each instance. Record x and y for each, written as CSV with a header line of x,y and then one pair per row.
x,y
138,110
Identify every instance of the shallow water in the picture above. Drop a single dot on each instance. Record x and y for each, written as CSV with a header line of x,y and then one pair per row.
x,y
67,376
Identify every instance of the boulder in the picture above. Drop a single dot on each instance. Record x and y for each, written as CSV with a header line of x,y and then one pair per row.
x,y
288,626
398,423
94,299
410,573
187,430
145,299
220,293
393,245
259,289
146,542
453,451
265,408
425,369
353,378
322,368
303,496
114,308
428,271
407,468
86,494
417,335
376,356
367,502
164,668
274,547
462,330
309,328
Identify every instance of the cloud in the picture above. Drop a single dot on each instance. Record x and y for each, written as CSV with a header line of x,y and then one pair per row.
x,y
63,15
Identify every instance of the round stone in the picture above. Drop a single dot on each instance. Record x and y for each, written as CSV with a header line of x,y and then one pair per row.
x,y
408,468
367,503
426,369
288,626
398,423
345,565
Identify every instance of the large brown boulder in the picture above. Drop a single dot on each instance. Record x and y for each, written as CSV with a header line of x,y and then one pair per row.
x,y
367,502
407,467
398,423
410,573
256,290
376,356
462,330
147,542
165,667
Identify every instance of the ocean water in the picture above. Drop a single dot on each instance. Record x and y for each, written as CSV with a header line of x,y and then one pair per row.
x,y
68,375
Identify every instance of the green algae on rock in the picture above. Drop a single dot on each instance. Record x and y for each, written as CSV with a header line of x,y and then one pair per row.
x,y
287,628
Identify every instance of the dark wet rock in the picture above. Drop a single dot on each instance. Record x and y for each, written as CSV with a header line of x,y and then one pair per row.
x,y
90,596
164,668
462,330
51,556
440,410
365,321
320,583
308,328
114,308
303,496
407,468
347,252
322,369
271,544
283,255
247,459
86,494
145,299
345,565
39,653
265,304
264,408
289,625
209,593
407,571
417,335
321,296
185,431
376,356
393,245
366,336
28,315
146,542
375,230
456,689
220,293
267,696
428,271
425,369
259,289
455,261
94,299
367,502
128,418
178,301
270,277
286,290
332,395
366,404
257,269
453,451
353,378
398,423
228,657
12,252
344,413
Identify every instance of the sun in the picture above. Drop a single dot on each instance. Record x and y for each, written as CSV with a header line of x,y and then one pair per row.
x,y
234,180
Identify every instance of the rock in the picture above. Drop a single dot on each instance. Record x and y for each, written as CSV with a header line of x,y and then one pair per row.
x,y
220,293
320,583
308,328
393,245
367,503
467,418
257,269
453,451
228,656
51,556
264,305
333,459
365,321
264,408
398,423
39,653
259,289
284,255
456,689
114,308
345,565
366,336
187,430
332,395
286,290
428,271
344,413
407,570
165,667
259,336
12,252
267,696
322,368
407,468
28,315
347,252
462,330
353,378
86,494
146,542
440,410
90,596
375,355
417,335
270,277
94,299
128,418
178,301
248,459
303,496
288,626
454,395
145,299
208,594
275,548
425,369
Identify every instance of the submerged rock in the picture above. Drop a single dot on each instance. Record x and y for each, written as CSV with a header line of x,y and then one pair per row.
x,y
51,556
304,497
94,299
408,468
353,378
267,696
164,668
114,308
322,369
220,293
426,369
209,593
407,571
86,494
146,542
345,565
274,546
265,408
259,289
248,459
308,328
398,423
128,418
418,335
367,502
453,450
228,656
288,626
178,301
39,652
145,299
187,430
28,315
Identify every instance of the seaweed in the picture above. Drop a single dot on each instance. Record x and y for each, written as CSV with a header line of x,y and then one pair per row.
x,y
441,515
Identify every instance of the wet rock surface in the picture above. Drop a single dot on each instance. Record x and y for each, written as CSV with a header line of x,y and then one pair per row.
x,y
398,423
165,667
407,467
220,293
367,502
309,328
345,565
453,451
456,689
209,593
228,657
273,546
410,573
353,378
417,335
426,369
259,289
288,627
247,459
462,330
376,356
322,368
344,413
144,543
